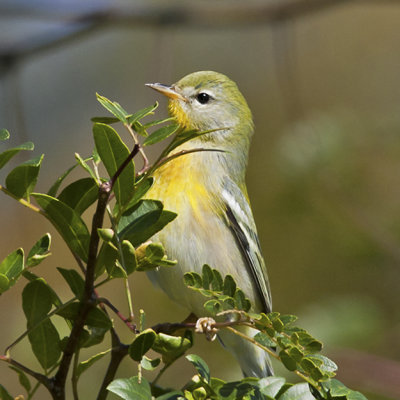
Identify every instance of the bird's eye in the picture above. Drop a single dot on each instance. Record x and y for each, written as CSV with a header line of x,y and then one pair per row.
x,y
203,98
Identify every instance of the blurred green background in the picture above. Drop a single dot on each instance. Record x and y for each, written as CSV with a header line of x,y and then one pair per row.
x,y
324,172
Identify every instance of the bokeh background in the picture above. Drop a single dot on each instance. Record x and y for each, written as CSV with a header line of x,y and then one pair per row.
x,y
322,79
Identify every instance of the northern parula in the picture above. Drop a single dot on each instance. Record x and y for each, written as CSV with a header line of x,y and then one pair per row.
x,y
207,190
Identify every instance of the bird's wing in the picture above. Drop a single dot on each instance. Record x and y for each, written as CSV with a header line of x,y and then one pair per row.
x,y
240,220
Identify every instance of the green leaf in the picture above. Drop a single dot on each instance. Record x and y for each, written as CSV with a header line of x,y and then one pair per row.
x,y
287,361
23,379
193,279
113,107
37,300
337,389
148,364
105,120
142,344
4,283
4,134
160,134
129,255
310,344
96,317
84,165
113,152
212,307
80,194
54,187
171,347
229,286
68,223
299,391
11,267
39,251
140,190
217,283
271,386
4,395
143,220
142,113
74,280
84,365
200,365
264,340
130,388
22,179
207,276
8,154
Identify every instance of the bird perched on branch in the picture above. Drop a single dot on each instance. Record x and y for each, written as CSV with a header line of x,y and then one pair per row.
x,y
215,224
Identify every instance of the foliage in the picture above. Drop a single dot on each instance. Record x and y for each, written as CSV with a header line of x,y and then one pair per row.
x,y
119,250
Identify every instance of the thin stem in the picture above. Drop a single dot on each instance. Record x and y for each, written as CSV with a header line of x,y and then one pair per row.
x,y
74,378
22,201
126,321
140,148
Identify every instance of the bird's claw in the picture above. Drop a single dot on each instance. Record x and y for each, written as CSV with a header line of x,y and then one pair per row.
x,y
206,325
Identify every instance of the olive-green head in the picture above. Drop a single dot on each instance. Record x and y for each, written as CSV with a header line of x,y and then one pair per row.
x,y
208,100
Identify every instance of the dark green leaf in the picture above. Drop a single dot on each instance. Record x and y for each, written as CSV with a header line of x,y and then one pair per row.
x,y
23,379
193,279
142,113
157,122
149,364
4,283
4,134
39,251
113,152
84,165
6,155
140,190
22,179
11,268
310,344
229,286
113,107
96,317
287,361
105,120
160,134
200,365
68,223
338,390
130,388
142,344
74,280
212,307
54,188
287,319
129,255
4,395
80,194
84,365
37,299
217,283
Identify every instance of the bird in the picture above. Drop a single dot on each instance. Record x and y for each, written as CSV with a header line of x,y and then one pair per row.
x,y
207,190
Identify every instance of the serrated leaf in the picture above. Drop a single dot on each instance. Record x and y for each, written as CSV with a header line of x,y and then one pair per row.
x,y
22,179
74,280
37,299
200,365
68,223
160,134
84,365
4,134
114,108
131,388
12,266
142,344
142,113
113,153
39,251
8,154
148,364
80,195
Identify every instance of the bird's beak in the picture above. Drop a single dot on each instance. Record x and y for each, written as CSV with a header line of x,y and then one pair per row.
x,y
166,90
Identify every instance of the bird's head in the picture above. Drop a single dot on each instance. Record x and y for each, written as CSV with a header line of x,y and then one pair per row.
x,y
208,100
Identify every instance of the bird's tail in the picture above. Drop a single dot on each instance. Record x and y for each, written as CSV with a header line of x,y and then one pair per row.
x,y
253,360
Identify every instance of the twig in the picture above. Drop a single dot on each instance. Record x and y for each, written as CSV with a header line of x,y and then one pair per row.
x,y
125,320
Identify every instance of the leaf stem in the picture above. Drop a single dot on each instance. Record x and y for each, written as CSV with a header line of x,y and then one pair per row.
x,y
22,201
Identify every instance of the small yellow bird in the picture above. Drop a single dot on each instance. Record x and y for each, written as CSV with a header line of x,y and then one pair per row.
x,y
215,225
